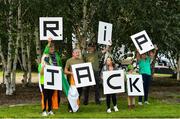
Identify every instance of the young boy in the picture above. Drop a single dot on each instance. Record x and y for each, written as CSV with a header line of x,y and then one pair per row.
x,y
131,99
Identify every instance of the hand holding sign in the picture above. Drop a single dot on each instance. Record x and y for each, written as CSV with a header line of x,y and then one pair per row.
x,y
142,42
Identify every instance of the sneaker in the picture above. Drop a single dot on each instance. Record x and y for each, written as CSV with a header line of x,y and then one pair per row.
x,y
116,109
109,110
50,113
129,107
140,103
44,114
133,106
70,111
146,102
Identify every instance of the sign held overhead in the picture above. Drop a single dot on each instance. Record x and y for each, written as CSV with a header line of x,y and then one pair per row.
x,y
142,42
104,33
51,27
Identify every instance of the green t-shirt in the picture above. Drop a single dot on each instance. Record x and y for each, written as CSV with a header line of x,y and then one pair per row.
x,y
41,76
94,59
145,66
72,61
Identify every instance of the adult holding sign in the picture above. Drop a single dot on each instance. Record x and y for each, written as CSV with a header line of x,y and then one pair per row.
x,y
68,70
144,61
54,57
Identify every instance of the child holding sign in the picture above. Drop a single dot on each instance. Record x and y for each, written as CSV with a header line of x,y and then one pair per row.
x,y
131,99
110,66
46,93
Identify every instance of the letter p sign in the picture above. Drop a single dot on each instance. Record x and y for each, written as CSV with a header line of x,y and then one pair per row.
x,y
142,42
51,27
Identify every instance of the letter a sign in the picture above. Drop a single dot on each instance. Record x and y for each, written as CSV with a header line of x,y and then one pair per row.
x,y
51,27
104,33
135,85
113,81
142,42
52,77
83,75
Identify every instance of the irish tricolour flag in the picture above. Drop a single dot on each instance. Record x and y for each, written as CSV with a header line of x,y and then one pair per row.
x,y
71,92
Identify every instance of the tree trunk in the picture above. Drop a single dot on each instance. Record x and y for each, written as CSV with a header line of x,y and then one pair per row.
x,y
178,69
38,46
85,25
29,57
153,64
24,60
10,52
16,48
3,60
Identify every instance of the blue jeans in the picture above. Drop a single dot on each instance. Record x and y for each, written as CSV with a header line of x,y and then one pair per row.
x,y
146,84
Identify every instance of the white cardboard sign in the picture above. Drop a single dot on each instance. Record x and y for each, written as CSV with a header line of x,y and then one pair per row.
x,y
135,85
113,81
83,75
104,33
53,77
51,27
142,42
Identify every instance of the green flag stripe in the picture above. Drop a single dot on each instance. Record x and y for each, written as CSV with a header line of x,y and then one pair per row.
x,y
65,84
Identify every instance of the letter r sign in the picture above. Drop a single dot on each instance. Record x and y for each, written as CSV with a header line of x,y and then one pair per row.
x,y
51,27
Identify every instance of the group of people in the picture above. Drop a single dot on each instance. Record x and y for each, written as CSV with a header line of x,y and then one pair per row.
x,y
52,57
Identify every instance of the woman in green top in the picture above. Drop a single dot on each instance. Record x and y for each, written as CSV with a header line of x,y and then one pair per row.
x,y
144,61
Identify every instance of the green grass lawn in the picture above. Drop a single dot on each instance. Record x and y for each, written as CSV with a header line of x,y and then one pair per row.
x,y
155,109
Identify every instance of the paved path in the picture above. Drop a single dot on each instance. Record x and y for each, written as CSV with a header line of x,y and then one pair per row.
x,y
19,78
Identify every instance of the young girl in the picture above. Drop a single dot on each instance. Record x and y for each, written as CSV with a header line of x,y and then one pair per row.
x,y
131,99
47,93
110,66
